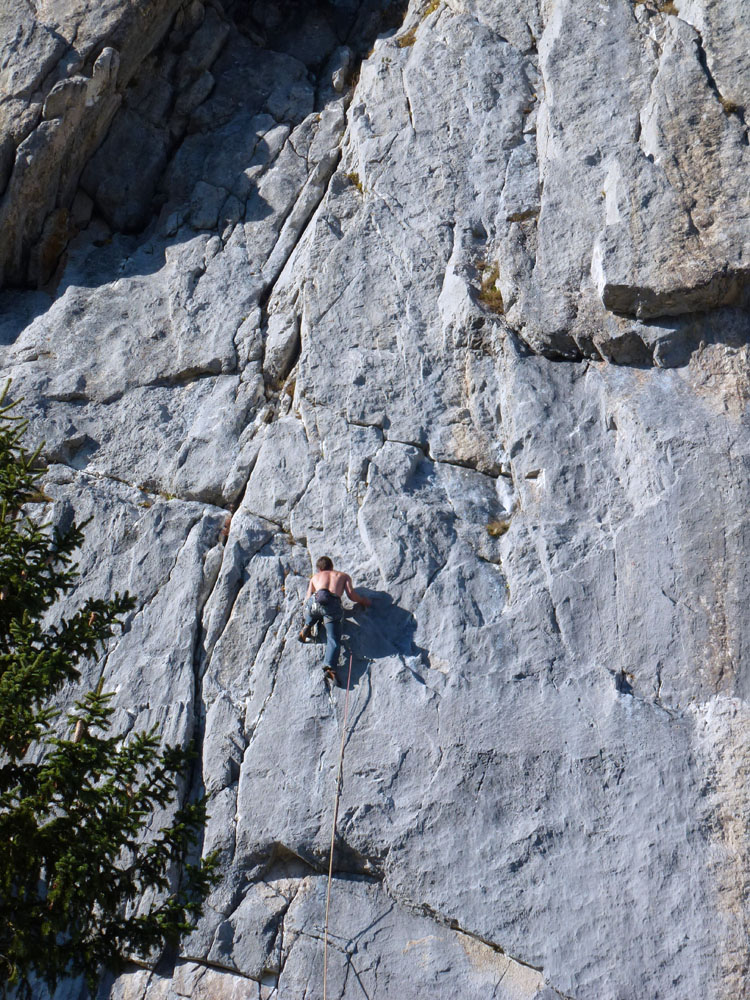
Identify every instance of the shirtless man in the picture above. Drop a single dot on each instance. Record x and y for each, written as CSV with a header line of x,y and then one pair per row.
x,y
323,603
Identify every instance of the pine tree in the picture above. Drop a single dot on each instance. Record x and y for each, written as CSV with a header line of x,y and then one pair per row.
x,y
83,883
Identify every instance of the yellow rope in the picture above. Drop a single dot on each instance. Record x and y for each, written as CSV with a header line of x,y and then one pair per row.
x,y
333,832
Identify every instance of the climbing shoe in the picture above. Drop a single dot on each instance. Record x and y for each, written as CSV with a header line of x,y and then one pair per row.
x,y
304,633
330,674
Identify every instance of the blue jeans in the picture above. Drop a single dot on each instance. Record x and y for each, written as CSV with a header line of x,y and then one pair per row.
x,y
331,619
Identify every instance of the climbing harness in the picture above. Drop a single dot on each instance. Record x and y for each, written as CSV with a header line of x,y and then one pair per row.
x,y
333,829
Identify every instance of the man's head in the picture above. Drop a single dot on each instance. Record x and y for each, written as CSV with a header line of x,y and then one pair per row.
x,y
323,564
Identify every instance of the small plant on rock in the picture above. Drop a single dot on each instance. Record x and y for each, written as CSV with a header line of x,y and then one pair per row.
x,y
496,529
354,179
408,38
730,107
489,294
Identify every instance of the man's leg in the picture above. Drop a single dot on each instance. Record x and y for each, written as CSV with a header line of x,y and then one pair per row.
x,y
333,642
310,618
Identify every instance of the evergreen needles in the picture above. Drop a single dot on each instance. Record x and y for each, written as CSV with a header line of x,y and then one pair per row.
x,y
86,878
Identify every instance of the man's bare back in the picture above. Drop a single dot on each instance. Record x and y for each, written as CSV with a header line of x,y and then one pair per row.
x,y
336,583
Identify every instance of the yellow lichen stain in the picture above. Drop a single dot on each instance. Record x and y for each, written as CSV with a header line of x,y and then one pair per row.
x,y
520,982
442,666
722,646
482,956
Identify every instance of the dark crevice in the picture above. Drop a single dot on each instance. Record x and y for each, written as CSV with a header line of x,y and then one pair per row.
x,y
572,355
729,107
297,27
151,494
217,966
350,864
186,377
450,922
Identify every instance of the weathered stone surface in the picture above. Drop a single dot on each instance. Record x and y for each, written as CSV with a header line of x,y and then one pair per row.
x,y
336,335
691,220
64,70
657,182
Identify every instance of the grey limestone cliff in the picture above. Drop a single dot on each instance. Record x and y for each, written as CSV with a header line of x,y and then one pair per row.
x,y
455,292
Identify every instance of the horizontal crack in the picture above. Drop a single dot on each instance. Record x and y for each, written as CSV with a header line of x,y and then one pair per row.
x,y
156,494
452,924
217,966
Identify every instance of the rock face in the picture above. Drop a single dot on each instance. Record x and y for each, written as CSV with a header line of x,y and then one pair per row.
x,y
457,294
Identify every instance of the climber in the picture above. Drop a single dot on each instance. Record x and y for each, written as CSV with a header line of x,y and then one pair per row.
x,y
323,603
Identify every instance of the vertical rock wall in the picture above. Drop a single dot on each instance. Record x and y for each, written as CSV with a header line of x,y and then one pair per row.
x,y
470,318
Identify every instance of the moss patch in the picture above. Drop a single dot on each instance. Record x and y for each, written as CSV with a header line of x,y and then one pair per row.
x,y
496,529
408,38
489,294
729,106
354,179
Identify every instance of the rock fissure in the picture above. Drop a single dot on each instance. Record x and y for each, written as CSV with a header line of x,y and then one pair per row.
x,y
729,107
152,496
204,963
454,926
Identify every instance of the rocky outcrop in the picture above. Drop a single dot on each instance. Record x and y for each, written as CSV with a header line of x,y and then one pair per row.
x,y
64,73
470,317
641,213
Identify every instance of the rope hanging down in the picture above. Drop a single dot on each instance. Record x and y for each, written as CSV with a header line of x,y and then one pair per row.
x,y
333,831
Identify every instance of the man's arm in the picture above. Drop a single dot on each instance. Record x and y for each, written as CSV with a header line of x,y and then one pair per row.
x,y
352,594
310,589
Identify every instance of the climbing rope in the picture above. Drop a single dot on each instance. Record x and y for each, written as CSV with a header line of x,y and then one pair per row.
x,y
333,831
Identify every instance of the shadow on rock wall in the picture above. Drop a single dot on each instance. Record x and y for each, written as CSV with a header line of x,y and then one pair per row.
x,y
384,629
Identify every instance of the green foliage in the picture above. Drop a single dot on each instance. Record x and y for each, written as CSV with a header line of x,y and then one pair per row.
x,y
75,801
